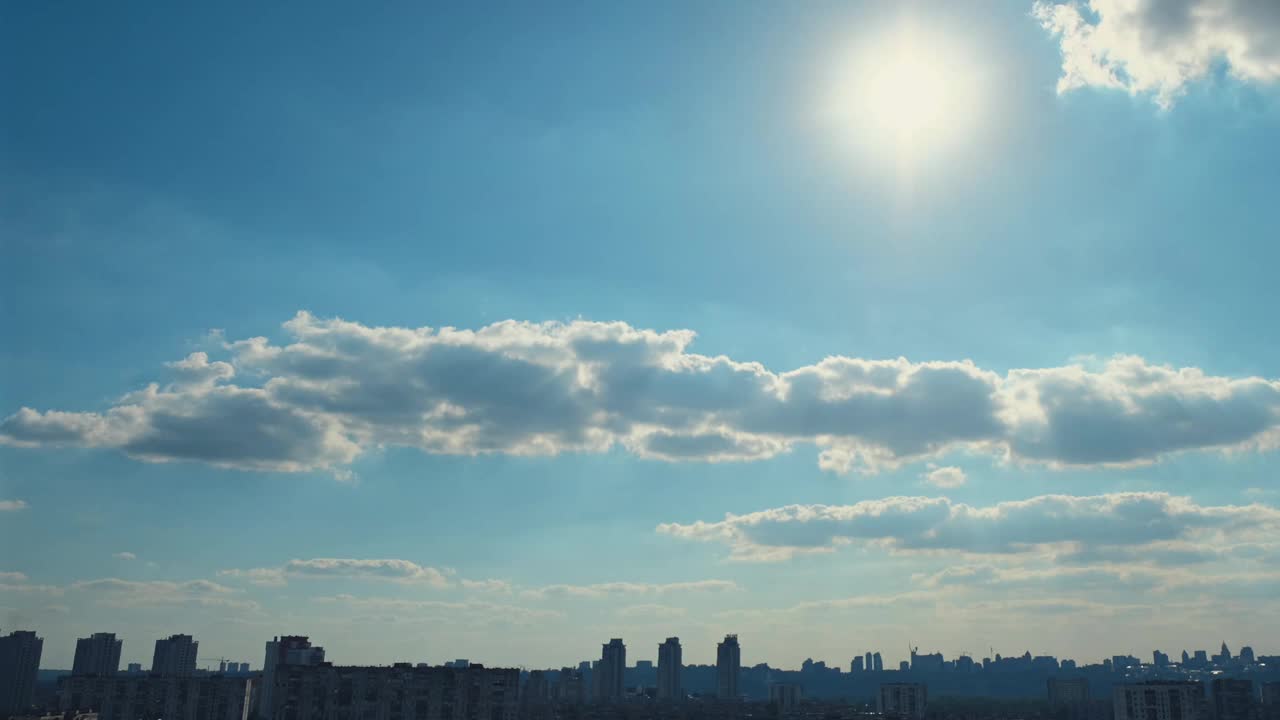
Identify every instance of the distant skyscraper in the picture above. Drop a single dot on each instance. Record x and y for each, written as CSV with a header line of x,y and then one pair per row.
x,y
1232,699
1271,700
286,650
728,665
856,665
571,687
1186,659
1159,700
19,662
134,668
98,654
176,656
613,662
870,661
785,697
903,699
1159,659
1068,691
877,662
670,663
1246,655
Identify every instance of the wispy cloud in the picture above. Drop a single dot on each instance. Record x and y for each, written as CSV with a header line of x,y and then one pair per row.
x,y
124,556
396,570
937,524
13,505
611,589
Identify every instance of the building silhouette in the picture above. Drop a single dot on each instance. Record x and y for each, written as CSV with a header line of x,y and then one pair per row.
x,y
402,691
1271,700
281,651
856,665
19,666
98,654
613,663
728,667
571,687
1160,700
785,697
1232,699
870,661
175,655
877,662
130,697
905,700
670,663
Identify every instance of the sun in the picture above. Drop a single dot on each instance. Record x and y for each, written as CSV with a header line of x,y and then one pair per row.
x,y
910,94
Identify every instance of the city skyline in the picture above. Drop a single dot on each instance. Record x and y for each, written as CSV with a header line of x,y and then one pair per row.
x,y
299,649
447,332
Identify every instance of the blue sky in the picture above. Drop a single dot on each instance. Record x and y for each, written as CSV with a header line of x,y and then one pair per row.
x,y
1010,382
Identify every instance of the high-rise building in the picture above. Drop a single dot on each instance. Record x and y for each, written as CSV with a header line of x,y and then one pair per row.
x,y
728,666
571,687
19,661
285,650
129,697
670,664
1159,659
134,668
785,697
98,654
876,662
1232,699
1068,691
1246,655
870,661
1159,700
402,691
906,700
613,663
1271,700
537,690
175,655
856,665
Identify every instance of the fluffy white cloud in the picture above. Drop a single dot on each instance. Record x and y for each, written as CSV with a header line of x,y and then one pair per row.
x,y
341,388
600,590
1159,46
124,556
1118,520
945,477
405,571
12,505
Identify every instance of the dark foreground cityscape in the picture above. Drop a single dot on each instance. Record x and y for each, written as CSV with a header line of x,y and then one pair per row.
x,y
297,682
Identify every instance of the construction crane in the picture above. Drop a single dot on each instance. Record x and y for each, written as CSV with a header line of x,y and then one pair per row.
x,y
222,662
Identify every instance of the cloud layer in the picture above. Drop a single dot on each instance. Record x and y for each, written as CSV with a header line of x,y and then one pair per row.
x,y
341,388
1159,46
1116,522
404,571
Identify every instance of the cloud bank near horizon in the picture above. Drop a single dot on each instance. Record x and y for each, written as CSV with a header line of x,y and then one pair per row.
x,y
339,389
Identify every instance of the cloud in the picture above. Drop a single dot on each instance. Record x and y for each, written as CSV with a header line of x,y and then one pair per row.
x,y
12,505
651,612
1158,47
938,524
399,609
945,477
404,571
115,592
16,577
124,556
493,586
612,589
339,389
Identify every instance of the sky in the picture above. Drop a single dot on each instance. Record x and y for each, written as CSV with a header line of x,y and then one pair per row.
x,y
497,331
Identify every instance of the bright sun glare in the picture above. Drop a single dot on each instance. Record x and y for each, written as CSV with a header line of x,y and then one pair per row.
x,y
912,94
